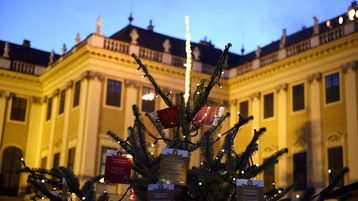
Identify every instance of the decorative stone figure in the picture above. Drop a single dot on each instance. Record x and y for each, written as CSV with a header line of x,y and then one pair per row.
x,y
99,22
134,36
196,53
316,25
6,50
258,51
64,48
283,39
52,55
78,39
166,45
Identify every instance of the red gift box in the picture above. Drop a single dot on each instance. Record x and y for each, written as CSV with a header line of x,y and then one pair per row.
x,y
208,116
168,118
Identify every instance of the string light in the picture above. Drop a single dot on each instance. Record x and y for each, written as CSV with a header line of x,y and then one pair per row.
x,y
223,150
83,198
219,135
104,191
22,159
42,198
118,142
188,62
54,188
329,171
255,128
152,153
242,172
297,196
153,145
137,70
233,179
201,163
279,191
43,181
200,183
197,92
142,76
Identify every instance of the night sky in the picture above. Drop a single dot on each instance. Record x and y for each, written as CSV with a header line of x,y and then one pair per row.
x,y
49,23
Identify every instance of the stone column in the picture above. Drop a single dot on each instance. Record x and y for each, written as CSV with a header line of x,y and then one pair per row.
x,y
131,97
282,131
255,108
350,78
90,125
66,121
54,112
316,164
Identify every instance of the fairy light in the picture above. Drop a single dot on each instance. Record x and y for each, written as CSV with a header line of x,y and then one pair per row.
x,y
233,179
83,198
242,172
188,62
22,159
329,171
153,145
201,163
137,71
142,76
223,150
43,181
297,196
118,142
219,135
42,198
54,188
279,191
200,183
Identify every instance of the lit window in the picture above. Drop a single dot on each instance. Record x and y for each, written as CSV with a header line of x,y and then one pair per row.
x,y
332,88
76,97
148,99
268,105
244,109
49,109
62,101
298,97
335,161
71,158
18,109
114,89
56,160
300,170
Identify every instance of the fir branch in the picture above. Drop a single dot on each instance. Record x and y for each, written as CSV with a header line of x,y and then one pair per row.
x,y
140,129
72,181
157,88
120,141
308,194
87,189
325,192
250,149
43,188
104,197
158,127
206,147
282,192
342,190
214,80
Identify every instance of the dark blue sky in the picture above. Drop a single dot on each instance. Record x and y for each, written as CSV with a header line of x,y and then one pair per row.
x,y
49,23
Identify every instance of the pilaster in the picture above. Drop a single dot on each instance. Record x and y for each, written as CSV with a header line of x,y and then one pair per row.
x,y
54,113
66,120
282,131
131,99
316,166
233,112
255,108
3,105
350,78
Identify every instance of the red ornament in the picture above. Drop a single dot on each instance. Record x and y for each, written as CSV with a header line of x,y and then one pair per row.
x,y
118,166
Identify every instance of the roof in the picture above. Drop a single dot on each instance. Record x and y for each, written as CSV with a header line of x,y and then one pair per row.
x,y
152,40
27,54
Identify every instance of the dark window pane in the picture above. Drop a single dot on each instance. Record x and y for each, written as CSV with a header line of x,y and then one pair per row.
x,y
71,158
298,97
148,99
335,161
43,162
269,178
76,97
268,105
62,101
49,108
244,109
332,88
300,170
18,109
103,160
56,160
114,89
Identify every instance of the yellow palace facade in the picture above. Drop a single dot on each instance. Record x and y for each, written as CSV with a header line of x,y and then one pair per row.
x,y
55,110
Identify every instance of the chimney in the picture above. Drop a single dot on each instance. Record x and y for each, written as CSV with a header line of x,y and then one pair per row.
x,y
26,43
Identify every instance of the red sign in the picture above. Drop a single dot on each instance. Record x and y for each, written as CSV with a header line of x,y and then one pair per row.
x,y
118,166
168,118
208,116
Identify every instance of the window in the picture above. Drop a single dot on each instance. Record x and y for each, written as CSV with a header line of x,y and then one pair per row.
x,y
103,160
335,161
269,178
49,108
298,97
300,170
268,105
332,88
244,109
56,160
62,101
114,89
148,99
18,109
71,158
76,96
43,162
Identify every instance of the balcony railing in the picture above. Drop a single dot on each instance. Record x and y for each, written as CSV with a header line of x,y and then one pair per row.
x,y
269,59
150,54
178,61
331,35
116,46
22,67
299,47
244,68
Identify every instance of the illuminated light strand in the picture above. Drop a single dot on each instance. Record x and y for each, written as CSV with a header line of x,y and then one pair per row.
x,y
188,62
